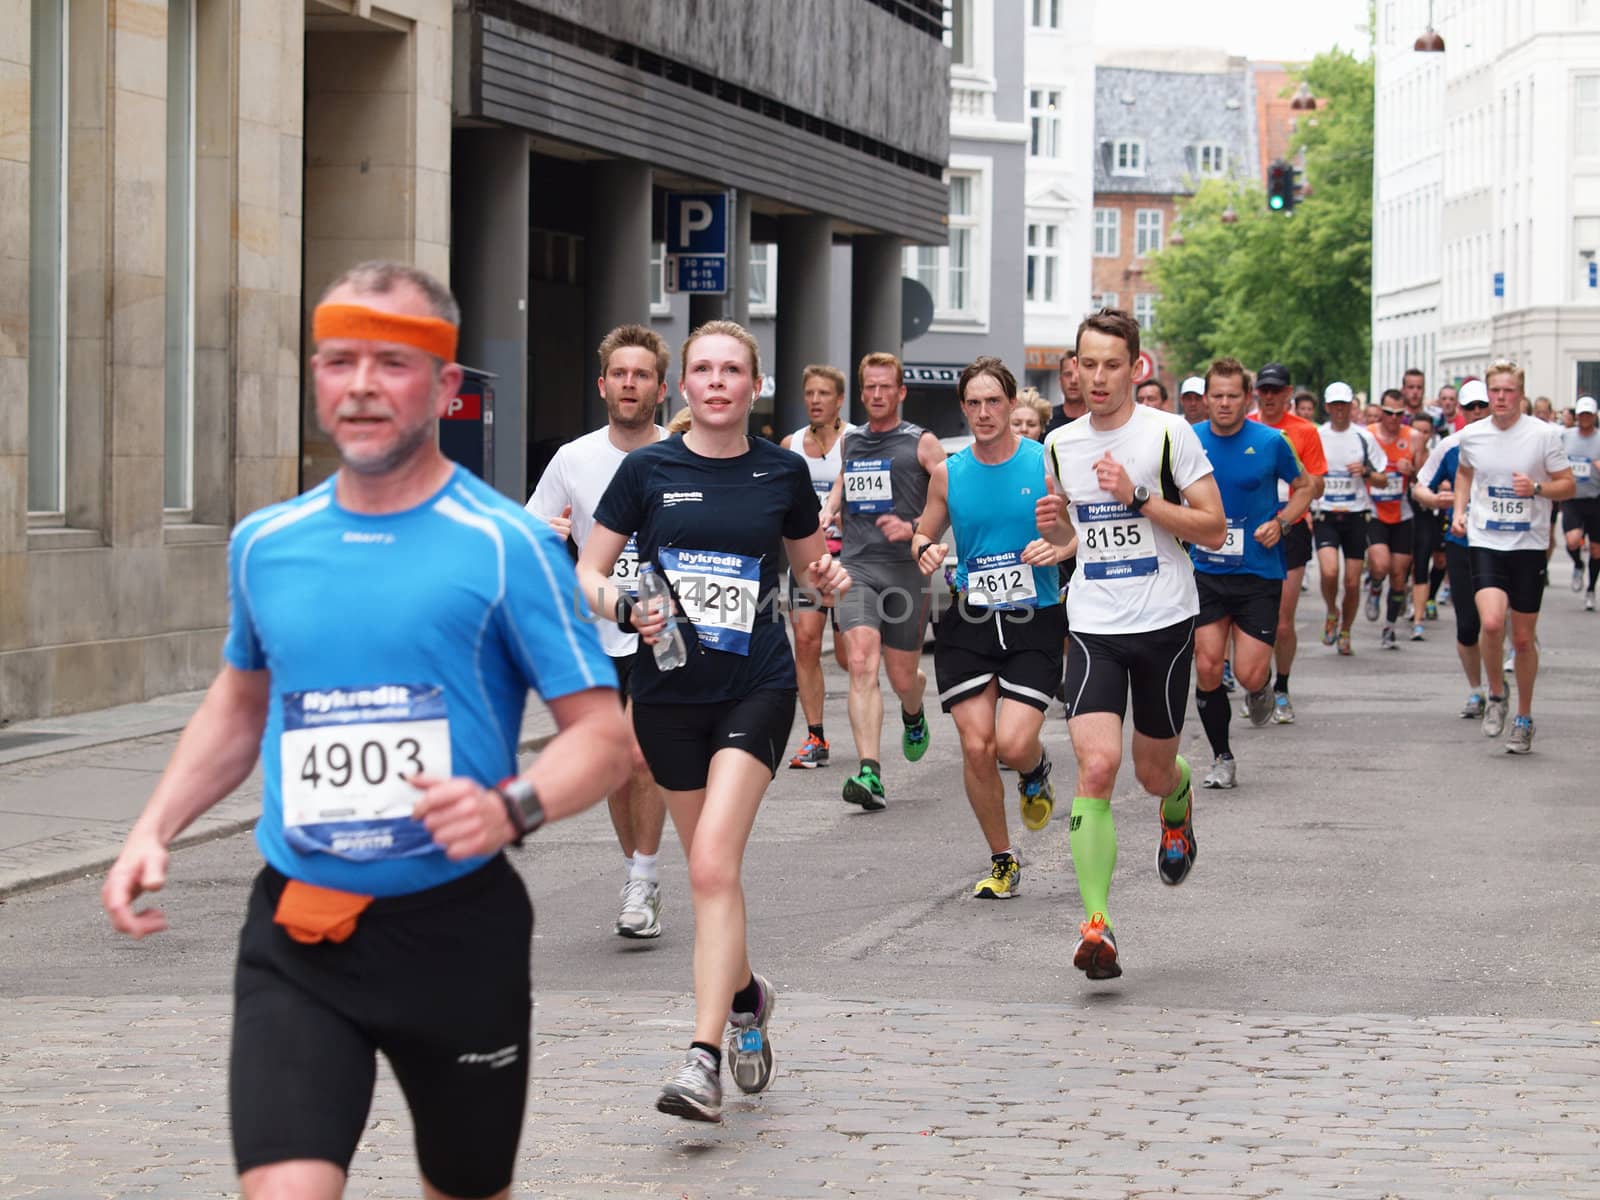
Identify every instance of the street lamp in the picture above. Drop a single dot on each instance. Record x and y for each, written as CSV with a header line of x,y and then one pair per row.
x,y
1303,99
1429,42
1229,217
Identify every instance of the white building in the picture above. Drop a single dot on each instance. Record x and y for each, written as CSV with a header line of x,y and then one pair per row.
x,y
1486,222
1058,233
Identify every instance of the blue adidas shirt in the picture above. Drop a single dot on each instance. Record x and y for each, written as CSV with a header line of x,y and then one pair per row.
x,y
1248,465
991,514
396,643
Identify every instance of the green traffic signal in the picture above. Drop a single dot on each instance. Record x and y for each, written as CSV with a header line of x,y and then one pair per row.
x,y
1275,202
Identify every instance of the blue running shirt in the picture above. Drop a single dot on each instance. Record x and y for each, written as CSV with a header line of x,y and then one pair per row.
x,y
1248,466
991,515
396,643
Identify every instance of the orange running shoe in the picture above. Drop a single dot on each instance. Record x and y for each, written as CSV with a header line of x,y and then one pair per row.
x,y
1096,952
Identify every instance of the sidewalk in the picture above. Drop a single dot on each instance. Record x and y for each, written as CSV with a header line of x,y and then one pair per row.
x,y
71,786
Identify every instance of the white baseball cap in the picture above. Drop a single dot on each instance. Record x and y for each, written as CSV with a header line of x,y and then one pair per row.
x,y
1472,391
1338,392
1586,404
1194,385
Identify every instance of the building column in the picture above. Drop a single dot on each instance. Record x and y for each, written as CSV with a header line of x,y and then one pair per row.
x,y
490,279
874,300
618,250
805,264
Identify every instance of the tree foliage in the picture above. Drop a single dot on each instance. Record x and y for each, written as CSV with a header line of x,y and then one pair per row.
x,y
1292,287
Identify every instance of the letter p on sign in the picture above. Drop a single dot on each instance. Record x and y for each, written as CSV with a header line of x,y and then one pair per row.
x,y
693,218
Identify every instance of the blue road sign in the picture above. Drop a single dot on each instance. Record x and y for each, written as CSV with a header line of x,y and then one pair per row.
x,y
1499,284
1594,273
697,242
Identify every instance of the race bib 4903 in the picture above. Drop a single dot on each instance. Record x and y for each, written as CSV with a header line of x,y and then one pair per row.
x,y
346,756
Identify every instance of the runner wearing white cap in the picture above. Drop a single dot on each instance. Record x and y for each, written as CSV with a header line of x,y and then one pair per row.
x,y
1354,460
1580,516
1192,399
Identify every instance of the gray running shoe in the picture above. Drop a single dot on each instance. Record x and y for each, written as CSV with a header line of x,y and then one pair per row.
x,y
1494,717
641,910
1258,707
1386,640
1472,710
695,1092
1577,579
1588,602
1223,774
1521,739
1282,710
749,1051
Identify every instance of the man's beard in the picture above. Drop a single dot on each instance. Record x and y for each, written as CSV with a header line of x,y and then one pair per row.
x,y
644,414
406,446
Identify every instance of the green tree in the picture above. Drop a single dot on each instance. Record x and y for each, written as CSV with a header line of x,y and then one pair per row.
x,y
1289,287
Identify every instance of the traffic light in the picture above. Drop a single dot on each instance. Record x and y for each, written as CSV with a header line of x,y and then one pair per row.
x,y
1281,186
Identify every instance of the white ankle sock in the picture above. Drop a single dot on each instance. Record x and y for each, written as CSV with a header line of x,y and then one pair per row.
x,y
644,867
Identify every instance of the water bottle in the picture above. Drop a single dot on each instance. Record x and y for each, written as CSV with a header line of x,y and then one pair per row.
x,y
669,649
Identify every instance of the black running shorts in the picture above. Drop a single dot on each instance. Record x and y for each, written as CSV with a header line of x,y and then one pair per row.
x,y
1582,514
1345,532
1105,669
1520,574
1428,541
1249,601
1021,648
624,665
438,981
1399,537
1297,546
678,740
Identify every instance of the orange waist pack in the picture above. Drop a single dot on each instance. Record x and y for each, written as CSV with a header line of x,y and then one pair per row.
x,y
312,914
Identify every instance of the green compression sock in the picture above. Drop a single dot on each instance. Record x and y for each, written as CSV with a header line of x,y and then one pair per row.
x,y
1093,839
1175,804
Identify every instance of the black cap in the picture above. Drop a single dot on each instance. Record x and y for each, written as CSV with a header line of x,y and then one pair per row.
x,y
1273,375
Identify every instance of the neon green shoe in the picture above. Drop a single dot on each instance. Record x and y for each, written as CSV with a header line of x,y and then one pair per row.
x,y
914,738
866,789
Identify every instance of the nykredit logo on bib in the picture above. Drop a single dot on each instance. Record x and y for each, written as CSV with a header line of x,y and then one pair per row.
x,y
378,697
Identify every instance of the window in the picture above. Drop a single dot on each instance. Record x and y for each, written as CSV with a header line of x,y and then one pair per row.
x,y
1211,160
660,306
1044,263
179,432
1586,116
1147,229
1044,124
958,32
1046,14
1107,232
1104,299
47,262
763,279
1127,157
952,272
1144,310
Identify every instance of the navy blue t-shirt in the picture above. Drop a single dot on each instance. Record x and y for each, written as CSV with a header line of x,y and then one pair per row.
x,y
715,527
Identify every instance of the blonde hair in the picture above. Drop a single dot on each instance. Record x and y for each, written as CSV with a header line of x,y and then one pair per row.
x,y
723,329
1030,397
1504,366
822,371
681,420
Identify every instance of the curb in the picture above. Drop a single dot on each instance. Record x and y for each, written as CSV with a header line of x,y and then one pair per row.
x,y
95,862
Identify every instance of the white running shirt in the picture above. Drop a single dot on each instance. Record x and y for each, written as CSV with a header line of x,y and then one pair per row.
x,y
1132,576
1497,518
823,470
1343,492
579,475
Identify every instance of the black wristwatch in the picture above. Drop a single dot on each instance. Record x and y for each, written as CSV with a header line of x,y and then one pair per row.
x,y
623,612
1141,497
523,809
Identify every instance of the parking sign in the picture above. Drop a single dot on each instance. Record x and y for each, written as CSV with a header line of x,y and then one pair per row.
x,y
697,242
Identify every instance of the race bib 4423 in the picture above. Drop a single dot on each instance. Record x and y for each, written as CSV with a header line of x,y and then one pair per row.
x,y
718,592
346,756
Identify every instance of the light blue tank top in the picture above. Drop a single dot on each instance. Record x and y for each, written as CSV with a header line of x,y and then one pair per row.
x,y
991,514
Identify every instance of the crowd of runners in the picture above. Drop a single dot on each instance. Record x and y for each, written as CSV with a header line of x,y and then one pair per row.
x,y
1113,551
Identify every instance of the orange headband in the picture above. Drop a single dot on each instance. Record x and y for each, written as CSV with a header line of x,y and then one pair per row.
x,y
360,323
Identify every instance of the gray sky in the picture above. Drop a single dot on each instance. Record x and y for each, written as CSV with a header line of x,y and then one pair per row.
x,y
1266,29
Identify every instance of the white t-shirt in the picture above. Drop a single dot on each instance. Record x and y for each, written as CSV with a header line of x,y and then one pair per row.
x,y
579,475
1583,455
1342,491
1132,575
1497,518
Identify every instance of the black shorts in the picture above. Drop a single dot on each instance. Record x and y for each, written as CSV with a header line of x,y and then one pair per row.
x,y
1428,541
1021,648
1458,566
1249,601
1297,546
624,666
1582,514
1399,537
1105,669
1345,532
1520,574
678,740
438,981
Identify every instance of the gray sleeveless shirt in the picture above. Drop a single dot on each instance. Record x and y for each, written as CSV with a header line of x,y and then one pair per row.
x,y
881,475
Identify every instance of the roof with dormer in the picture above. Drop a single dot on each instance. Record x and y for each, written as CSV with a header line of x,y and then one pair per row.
x,y
1173,114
